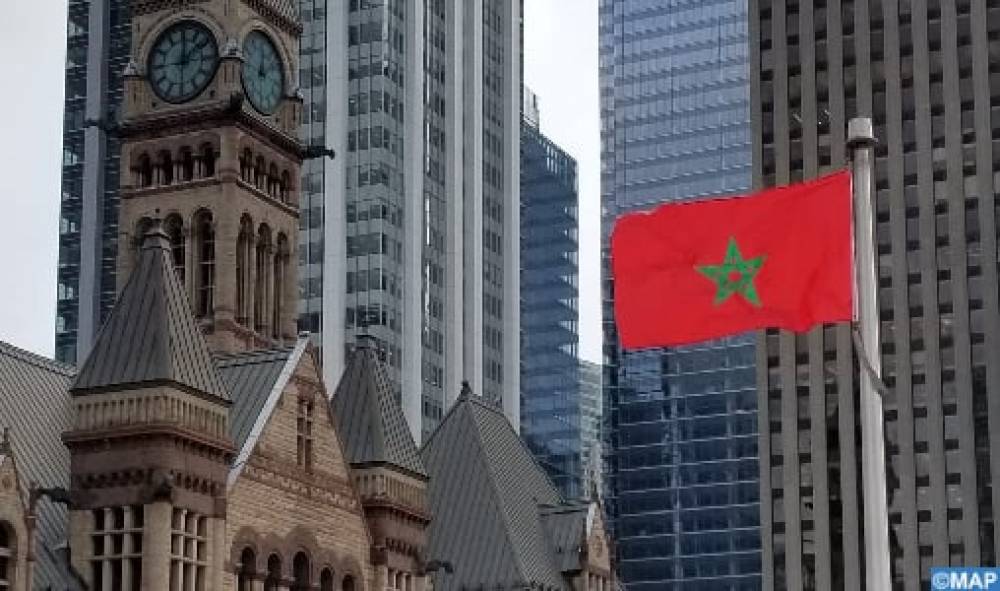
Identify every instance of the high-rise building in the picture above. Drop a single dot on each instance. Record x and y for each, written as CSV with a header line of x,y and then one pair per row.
x,y
680,424
928,74
409,235
551,405
98,38
591,404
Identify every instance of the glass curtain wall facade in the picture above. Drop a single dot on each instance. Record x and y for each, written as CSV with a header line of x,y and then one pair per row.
x,y
591,403
928,74
552,421
98,37
681,469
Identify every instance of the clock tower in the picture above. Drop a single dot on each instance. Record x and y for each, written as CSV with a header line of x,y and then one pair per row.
x,y
210,147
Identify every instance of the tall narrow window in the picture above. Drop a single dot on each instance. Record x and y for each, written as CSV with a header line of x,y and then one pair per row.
x,y
187,165
144,171
304,427
188,551
208,160
7,557
174,227
326,580
261,297
166,168
300,572
285,187
246,166
273,573
116,545
348,584
248,568
279,277
272,181
260,174
204,250
244,264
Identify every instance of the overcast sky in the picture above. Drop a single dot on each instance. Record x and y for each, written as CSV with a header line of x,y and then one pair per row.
x,y
560,66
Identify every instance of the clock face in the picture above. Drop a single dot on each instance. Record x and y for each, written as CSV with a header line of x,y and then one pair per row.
x,y
263,77
183,61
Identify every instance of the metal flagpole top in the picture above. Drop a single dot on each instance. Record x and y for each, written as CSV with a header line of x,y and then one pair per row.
x,y
860,133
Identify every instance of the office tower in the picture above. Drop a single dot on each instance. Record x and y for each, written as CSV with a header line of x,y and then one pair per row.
x,y
928,73
591,403
552,418
681,424
98,37
409,234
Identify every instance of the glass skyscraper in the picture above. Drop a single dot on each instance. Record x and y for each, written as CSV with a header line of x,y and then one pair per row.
x,y
681,431
551,404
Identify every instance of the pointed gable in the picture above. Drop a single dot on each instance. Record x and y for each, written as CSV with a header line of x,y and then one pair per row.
x,y
486,495
370,421
151,335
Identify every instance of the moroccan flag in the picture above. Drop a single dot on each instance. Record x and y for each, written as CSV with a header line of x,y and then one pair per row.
x,y
692,271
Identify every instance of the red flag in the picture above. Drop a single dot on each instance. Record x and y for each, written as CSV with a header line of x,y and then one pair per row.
x,y
692,271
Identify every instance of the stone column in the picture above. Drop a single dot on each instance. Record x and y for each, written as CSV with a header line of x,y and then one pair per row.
x,y
216,553
81,524
156,547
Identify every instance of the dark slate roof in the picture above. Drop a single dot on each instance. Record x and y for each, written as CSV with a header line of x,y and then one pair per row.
x,y
567,529
250,378
368,417
151,335
485,494
35,407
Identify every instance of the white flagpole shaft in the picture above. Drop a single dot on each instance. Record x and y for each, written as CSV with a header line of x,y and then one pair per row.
x,y
861,142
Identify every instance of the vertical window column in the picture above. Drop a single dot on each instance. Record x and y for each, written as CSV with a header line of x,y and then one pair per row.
x,y
117,549
188,551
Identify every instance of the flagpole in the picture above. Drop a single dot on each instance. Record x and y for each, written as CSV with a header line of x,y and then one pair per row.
x,y
861,143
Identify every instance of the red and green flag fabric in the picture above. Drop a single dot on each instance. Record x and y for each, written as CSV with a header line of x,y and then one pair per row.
x,y
692,271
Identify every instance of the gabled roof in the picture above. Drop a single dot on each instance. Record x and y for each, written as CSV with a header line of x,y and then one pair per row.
x,y
485,494
368,417
250,378
256,380
36,408
151,335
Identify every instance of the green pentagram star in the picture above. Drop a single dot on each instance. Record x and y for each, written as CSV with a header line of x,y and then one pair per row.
x,y
734,275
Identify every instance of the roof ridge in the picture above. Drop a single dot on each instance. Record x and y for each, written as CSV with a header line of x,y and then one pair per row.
x,y
36,359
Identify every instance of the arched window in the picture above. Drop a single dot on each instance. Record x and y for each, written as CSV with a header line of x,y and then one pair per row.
x,y
272,181
174,227
246,166
187,165
144,171
248,568
260,174
204,263
262,285
300,572
273,573
244,265
208,160
285,186
348,584
166,168
7,557
279,275
326,580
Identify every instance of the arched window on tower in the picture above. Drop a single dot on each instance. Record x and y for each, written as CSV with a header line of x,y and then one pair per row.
x,y
280,275
246,166
174,227
262,285
260,174
166,168
187,165
326,580
204,263
244,266
144,171
348,584
300,572
7,556
273,573
248,568
285,187
208,158
272,181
